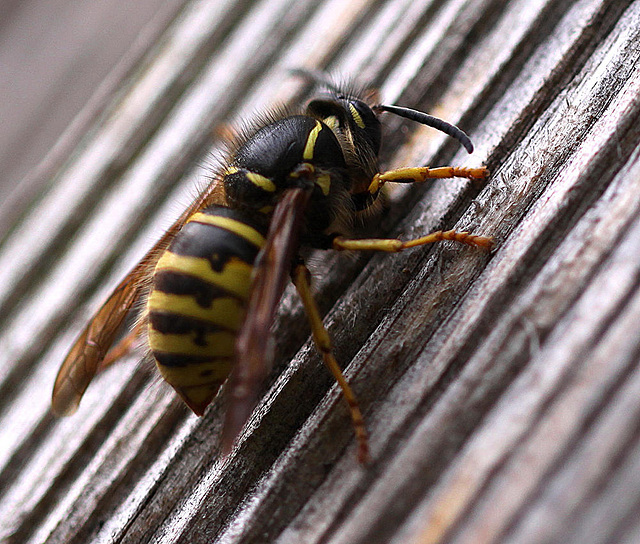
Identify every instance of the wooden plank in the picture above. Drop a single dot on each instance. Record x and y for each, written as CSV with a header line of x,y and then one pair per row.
x,y
500,390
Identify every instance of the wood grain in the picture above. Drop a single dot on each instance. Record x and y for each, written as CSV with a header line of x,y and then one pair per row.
x,y
500,390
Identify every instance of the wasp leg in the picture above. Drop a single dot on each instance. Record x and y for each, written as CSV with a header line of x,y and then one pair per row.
x,y
393,245
122,348
420,174
323,344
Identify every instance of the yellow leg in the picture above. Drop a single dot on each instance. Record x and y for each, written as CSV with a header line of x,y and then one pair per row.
x,y
323,343
394,245
419,174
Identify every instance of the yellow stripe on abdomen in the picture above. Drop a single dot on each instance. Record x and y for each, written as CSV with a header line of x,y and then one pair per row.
x,y
208,345
225,312
235,277
237,227
198,374
197,302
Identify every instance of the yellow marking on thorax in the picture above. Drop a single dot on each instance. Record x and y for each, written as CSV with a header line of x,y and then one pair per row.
x,y
311,141
324,182
237,227
235,277
332,122
356,116
257,179
261,181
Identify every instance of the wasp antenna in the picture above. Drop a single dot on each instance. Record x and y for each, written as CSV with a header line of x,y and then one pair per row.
x,y
430,121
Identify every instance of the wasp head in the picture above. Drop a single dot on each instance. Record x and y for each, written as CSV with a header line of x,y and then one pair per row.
x,y
351,119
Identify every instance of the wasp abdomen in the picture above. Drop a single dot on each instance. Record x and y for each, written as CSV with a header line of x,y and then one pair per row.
x,y
198,298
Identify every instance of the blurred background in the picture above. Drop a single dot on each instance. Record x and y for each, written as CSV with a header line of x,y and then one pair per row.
x,y
53,56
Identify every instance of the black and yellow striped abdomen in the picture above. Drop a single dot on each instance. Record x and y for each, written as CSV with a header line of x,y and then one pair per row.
x,y
198,298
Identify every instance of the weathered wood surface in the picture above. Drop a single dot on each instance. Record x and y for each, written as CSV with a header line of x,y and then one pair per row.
x,y
501,390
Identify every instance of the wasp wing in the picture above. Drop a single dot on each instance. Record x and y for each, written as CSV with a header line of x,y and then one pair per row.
x,y
253,345
84,359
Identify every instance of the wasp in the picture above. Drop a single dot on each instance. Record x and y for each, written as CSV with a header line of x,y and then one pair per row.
x,y
211,285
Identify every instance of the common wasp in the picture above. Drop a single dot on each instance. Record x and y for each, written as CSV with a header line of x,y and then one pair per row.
x,y
211,285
